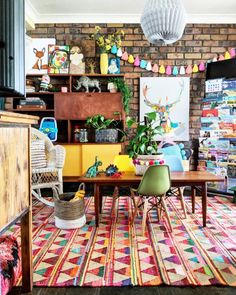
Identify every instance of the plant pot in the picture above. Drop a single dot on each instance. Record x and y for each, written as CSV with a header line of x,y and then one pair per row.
x,y
142,162
106,135
104,63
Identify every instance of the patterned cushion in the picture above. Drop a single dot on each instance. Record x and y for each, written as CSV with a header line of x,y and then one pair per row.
x,y
38,156
10,266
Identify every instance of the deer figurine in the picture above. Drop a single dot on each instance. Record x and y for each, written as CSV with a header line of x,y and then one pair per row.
x,y
39,54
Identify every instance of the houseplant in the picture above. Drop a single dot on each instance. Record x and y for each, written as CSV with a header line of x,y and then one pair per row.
x,y
125,90
143,148
105,129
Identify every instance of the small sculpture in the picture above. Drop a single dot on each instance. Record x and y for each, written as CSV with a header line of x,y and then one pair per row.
x,y
93,170
87,83
45,83
91,65
111,170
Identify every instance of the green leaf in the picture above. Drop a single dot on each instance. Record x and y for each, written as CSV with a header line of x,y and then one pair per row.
x,y
151,116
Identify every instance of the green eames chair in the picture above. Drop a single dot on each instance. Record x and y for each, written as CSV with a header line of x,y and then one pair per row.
x,y
152,189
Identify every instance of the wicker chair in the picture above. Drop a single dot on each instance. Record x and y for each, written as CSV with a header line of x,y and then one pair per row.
x,y
51,175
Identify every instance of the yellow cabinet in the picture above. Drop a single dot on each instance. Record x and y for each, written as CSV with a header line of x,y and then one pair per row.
x,y
73,164
79,157
105,153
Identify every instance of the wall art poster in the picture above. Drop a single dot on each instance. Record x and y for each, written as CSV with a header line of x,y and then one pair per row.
x,y
169,98
37,55
77,64
58,59
114,66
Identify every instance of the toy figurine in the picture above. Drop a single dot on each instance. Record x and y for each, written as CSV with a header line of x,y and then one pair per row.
x,y
93,170
45,83
111,170
86,82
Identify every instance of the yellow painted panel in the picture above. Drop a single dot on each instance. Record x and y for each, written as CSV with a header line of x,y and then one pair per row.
x,y
105,153
72,165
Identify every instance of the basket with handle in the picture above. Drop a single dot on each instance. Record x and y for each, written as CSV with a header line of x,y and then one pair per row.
x,y
69,215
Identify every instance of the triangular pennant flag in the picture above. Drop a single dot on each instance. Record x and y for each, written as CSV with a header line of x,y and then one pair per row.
x,y
227,55
137,61
214,59
124,56
119,52
155,68
201,67
195,68
221,57
175,71
162,69
143,64
149,66
189,69
168,70
131,59
182,70
114,49
232,52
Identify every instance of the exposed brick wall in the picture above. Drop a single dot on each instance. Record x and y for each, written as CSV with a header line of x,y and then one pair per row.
x,y
200,42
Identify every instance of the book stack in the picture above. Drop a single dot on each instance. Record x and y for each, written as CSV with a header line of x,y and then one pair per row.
x,y
32,103
217,142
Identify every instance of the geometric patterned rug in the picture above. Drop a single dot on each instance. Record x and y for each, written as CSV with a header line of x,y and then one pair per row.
x,y
116,254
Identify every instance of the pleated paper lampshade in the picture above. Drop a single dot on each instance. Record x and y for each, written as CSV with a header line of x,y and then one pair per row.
x,y
163,21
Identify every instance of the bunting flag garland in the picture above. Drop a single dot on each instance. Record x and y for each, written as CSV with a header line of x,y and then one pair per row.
x,y
168,70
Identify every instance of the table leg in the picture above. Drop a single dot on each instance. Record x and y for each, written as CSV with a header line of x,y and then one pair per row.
x,y
26,250
97,203
193,194
204,203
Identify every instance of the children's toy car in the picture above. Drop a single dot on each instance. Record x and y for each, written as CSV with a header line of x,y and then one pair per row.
x,y
48,126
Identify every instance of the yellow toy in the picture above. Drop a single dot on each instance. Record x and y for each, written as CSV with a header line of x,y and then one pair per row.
x,y
80,193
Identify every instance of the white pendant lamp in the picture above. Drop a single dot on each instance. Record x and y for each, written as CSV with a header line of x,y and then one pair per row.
x,y
163,21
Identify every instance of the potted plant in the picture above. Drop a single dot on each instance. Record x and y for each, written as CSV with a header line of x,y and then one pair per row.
x,y
125,90
143,148
105,129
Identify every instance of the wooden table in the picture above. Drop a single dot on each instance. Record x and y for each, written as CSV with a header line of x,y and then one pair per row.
x,y
194,179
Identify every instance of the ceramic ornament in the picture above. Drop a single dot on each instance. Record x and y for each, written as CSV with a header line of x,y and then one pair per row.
x,y
131,59
137,61
214,59
119,52
175,71
124,56
155,68
232,52
143,64
168,70
227,55
189,69
149,66
182,70
195,68
114,49
221,57
201,67
162,69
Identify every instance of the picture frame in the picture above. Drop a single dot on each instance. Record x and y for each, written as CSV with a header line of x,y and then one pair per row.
x,y
58,59
114,65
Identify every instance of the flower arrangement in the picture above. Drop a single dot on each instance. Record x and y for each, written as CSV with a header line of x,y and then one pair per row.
x,y
105,43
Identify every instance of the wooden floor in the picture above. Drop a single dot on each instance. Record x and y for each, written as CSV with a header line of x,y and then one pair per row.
x,y
161,290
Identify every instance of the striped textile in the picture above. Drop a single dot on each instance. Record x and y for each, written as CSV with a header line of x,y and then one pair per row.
x,y
115,254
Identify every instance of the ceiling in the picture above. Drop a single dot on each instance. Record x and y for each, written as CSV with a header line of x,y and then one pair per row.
x,y
118,11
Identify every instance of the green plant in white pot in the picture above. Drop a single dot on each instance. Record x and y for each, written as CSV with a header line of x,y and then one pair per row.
x,y
143,148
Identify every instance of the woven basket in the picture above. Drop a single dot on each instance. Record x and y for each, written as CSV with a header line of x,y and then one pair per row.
x,y
69,215
141,169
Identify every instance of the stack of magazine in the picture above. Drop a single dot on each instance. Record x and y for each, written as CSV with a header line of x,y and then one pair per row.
x,y
32,103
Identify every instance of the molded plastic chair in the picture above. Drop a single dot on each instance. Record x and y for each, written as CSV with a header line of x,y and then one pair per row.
x,y
49,176
175,164
124,164
153,186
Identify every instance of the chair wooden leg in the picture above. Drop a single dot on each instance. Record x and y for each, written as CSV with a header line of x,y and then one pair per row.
x,y
132,196
145,206
157,208
181,195
166,210
115,197
136,210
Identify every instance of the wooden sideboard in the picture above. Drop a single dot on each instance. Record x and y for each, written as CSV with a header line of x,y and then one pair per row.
x,y
15,184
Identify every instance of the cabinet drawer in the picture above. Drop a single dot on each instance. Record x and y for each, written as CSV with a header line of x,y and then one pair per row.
x,y
80,105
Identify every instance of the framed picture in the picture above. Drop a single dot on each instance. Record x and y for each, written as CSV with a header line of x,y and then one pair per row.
x,y
36,52
58,59
114,66
169,98
77,64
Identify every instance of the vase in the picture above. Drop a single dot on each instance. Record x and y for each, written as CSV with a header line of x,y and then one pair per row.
x,y
104,63
144,161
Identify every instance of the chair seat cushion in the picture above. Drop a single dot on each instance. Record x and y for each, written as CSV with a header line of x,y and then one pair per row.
x,y
38,155
10,266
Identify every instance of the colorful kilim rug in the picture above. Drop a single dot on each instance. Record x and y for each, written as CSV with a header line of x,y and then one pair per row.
x,y
116,254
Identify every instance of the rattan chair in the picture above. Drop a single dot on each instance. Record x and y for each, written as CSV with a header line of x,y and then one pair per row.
x,y
49,176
